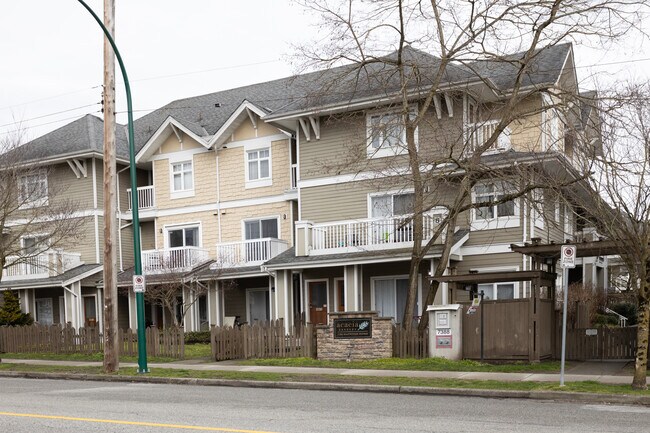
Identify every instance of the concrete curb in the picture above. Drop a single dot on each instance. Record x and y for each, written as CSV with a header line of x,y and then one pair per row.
x,y
574,397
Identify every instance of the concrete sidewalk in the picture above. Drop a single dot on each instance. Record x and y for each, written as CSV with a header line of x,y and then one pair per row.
x,y
580,372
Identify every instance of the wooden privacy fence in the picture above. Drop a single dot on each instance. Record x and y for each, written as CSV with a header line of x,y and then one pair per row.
x,y
410,343
598,343
267,340
57,339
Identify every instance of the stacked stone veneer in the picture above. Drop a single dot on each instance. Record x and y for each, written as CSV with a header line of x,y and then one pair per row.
x,y
341,349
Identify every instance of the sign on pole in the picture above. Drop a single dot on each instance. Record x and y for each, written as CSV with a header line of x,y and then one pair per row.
x,y
568,257
138,284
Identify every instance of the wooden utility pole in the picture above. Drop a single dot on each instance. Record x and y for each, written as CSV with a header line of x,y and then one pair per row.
x,y
111,356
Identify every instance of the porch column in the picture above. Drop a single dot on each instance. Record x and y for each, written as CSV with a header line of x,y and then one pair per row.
x,y
352,287
27,300
133,322
189,319
271,297
533,322
212,298
283,290
73,304
100,309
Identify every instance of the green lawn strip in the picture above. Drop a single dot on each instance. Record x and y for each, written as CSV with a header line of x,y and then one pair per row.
x,y
192,351
428,364
593,387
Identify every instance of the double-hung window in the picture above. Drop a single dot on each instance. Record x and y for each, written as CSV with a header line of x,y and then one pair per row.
x,y
32,189
258,167
386,229
182,177
386,134
494,214
259,229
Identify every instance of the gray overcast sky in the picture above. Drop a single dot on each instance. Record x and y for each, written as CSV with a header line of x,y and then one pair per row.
x,y
52,54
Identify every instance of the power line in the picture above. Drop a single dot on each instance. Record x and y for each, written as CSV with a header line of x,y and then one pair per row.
x,y
43,124
49,115
206,70
48,97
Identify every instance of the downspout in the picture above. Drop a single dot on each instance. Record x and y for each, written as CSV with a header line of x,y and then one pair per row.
x,y
216,151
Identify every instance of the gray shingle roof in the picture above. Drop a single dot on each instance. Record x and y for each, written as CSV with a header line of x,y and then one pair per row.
x,y
81,136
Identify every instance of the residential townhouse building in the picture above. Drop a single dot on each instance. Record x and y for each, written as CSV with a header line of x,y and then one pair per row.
x,y
61,282
281,200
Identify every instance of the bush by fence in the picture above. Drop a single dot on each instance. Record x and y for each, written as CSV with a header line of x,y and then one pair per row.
x,y
57,339
268,340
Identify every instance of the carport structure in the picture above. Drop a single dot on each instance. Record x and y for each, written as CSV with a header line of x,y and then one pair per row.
x,y
514,329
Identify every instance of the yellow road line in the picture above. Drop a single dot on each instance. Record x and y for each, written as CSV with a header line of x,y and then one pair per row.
x,y
138,423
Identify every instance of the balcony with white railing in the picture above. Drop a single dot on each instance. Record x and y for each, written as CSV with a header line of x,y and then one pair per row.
x,y
179,259
366,234
479,133
45,265
250,252
146,198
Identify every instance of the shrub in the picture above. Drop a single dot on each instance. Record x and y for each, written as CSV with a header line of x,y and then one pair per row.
x,y
197,337
605,320
10,313
627,309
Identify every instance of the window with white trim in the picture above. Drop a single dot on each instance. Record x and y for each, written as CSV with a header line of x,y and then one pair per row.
x,y
499,290
388,205
258,165
182,176
32,189
386,134
261,228
183,237
487,217
34,244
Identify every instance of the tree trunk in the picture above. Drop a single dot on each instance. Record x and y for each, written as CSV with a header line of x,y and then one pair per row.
x,y
641,365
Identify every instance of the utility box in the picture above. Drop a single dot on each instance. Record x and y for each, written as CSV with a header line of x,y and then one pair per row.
x,y
446,331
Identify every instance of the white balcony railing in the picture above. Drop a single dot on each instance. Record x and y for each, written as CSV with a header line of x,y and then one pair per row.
x,y
478,133
48,264
249,252
178,259
145,197
371,233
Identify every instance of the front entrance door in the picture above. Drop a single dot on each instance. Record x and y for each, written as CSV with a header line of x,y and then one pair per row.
x,y
317,302
44,314
258,306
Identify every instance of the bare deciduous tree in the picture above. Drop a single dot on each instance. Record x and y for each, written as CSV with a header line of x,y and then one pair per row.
x,y
35,216
473,44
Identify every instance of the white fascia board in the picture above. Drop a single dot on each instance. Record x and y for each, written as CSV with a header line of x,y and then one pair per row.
x,y
362,103
229,125
158,137
569,55
84,275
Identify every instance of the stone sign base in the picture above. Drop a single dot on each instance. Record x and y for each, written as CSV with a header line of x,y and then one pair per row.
x,y
354,344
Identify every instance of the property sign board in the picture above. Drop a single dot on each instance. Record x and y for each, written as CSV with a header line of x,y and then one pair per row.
x,y
138,284
568,256
353,328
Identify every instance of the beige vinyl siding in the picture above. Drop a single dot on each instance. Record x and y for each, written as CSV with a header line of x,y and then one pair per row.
x,y
63,186
85,245
232,172
525,129
342,148
232,220
496,236
246,131
478,262
127,246
147,235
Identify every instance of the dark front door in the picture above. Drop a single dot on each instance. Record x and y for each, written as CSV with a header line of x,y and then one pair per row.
x,y
318,302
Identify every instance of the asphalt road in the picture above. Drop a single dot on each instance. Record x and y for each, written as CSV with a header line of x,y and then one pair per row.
x,y
43,406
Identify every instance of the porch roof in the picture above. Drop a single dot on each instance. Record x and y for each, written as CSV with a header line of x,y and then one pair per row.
x,y
583,249
68,277
289,260
543,278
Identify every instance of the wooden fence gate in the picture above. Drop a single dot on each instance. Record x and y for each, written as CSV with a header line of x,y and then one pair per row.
x,y
584,344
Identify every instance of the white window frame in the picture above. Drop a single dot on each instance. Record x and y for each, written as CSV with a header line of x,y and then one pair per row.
x,y
394,277
498,222
260,181
172,227
30,202
182,193
42,236
392,195
517,294
270,217
386,151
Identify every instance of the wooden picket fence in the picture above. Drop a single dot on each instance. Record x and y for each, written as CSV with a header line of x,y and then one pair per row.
x,y
598,343
57,339
410,343
266,340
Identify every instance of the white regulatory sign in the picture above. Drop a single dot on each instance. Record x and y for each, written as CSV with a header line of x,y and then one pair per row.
x,y
138,283
568,257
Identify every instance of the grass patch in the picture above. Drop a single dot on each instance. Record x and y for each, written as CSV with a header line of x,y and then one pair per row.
x,y
428,364
592,387
192,351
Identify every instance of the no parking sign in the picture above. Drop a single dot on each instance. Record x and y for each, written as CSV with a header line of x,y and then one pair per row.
x,y
138,284
568,258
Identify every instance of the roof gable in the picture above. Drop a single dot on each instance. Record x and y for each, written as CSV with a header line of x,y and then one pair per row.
x,y
170,126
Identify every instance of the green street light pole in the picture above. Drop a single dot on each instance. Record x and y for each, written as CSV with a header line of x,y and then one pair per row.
x,y
142,344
